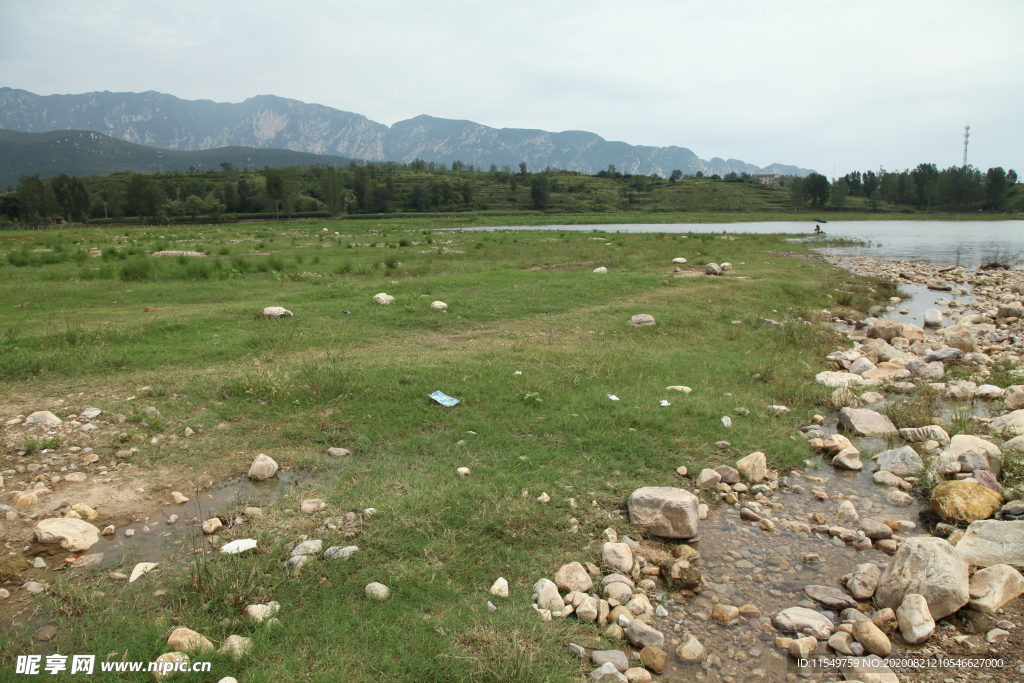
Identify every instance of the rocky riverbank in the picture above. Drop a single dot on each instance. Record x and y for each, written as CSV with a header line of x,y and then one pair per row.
x,y
900,542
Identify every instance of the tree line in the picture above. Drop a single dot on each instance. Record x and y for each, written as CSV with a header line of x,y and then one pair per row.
x,y
421,186
956,189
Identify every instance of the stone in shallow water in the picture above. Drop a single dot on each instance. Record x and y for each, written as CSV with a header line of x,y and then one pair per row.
x,y
831,598
864,422
927,566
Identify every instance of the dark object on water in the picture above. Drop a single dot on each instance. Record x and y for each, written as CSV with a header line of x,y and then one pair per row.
x,y
819,220
818,230
995,265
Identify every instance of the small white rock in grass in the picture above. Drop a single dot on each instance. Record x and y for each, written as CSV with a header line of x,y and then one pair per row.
x,y
338,552
491,607
679,259
263,467
778,410
338,452
439,306
500,588
463,471
239,546
679,387
43,417
312,505
275,312
727,421
613,397
518,372
258,613
665,404
377,591
602,269
544,497
383,299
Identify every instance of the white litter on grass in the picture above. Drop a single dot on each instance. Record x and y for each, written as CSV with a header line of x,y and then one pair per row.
x,y
727,421
239,546
444,399
665,403
518,372
613,397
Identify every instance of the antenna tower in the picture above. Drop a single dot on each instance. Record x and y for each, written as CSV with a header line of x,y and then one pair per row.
x,y
967,134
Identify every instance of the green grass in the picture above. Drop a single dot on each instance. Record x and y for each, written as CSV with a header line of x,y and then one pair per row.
x,y
347,372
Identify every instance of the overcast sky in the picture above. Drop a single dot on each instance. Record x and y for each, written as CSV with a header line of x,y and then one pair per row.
x,y
818,83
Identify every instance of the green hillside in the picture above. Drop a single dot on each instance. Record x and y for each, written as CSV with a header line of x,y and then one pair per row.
x,y
85,153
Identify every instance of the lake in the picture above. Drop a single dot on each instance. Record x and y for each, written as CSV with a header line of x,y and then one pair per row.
x,y
966,243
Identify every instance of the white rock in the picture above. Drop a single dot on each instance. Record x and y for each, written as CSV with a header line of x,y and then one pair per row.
x,y
258,613
438,306
601,269
990,542
383,299
803,620
607,673
211,526
927,566
754,467
178,498
239,546
573,577
377,591
679,387
311,506
835,380
548,596
915,620
310,547
864,422
74,535
902,462
263,467
43,417
994,586
679,259
463,471
500,588
617,556
338,452
338,552
1011,424
664,511
186,640
275,312
140,569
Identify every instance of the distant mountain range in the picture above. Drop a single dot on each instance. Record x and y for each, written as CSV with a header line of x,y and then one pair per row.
x,y
271,122
86,153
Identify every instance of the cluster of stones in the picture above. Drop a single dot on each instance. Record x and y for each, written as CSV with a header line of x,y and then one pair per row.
x,y
927,580
988,329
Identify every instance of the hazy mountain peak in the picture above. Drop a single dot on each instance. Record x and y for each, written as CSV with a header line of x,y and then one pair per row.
x,y
273,122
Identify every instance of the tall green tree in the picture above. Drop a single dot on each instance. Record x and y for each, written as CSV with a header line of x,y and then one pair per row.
x,y
838,193
995,187
273,188
144,196
72,196
796,193
36,201
817,189
676,175
540,191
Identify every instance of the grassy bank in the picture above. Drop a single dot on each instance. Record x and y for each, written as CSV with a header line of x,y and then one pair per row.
x,y
346,372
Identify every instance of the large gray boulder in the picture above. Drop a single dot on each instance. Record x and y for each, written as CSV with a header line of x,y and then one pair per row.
x,y
74,535
665,511
864,422
928,566
902,462
990,542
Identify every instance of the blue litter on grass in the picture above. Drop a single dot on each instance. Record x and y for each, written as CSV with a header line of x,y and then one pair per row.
x,y
444,399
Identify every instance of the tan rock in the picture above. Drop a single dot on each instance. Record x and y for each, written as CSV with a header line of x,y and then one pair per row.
x,y
187,640
871,637
964,502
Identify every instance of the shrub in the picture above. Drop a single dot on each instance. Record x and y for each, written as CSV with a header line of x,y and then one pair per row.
x,y
139,268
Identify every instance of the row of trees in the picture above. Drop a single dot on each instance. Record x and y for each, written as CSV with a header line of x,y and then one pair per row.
x,y
954,189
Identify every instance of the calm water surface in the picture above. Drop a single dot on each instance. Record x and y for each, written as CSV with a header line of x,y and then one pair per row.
x,y
966,243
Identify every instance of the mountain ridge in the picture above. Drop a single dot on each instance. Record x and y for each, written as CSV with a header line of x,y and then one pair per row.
x,y
86,153
271,122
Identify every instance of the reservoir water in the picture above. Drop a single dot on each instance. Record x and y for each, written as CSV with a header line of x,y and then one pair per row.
x,y
965,243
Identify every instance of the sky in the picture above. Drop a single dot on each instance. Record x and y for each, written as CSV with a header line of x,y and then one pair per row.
x,y
830,85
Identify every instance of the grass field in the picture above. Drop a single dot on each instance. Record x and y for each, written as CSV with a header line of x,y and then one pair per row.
x,y
346,372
